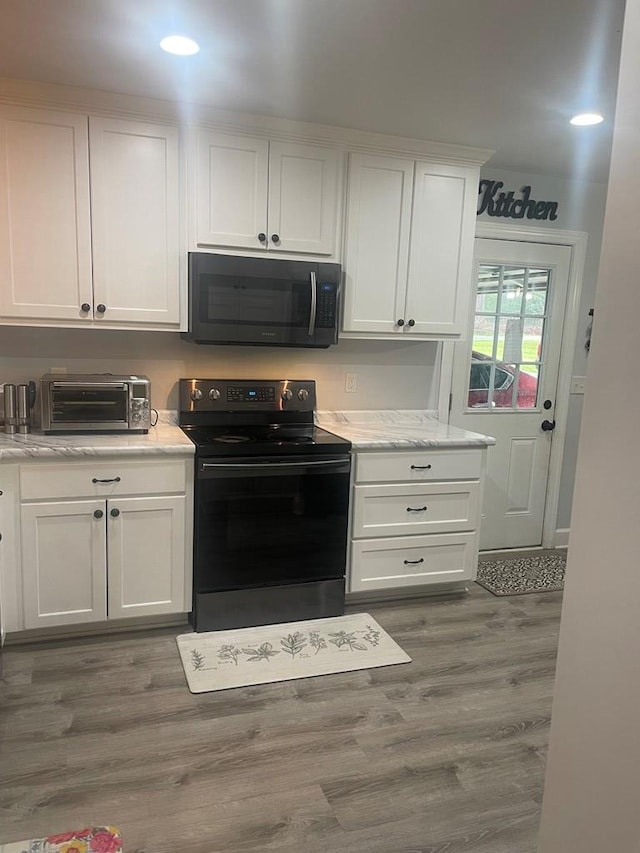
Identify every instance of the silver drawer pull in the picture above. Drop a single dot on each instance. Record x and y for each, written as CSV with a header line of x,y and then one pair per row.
x,y
420,467
414,562
416,509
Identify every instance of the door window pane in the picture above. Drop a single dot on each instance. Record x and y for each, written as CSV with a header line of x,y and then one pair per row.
x,y
508,337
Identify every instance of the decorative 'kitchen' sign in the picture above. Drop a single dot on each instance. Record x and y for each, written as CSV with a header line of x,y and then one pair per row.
x,y
495,203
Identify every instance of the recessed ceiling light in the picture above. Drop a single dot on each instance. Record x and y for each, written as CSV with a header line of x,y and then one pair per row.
x,y
180,45
585,119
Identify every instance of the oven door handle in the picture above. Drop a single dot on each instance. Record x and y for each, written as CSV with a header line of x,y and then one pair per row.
x,y
314,303
247,466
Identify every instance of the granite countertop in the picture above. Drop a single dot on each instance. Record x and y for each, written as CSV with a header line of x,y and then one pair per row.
x,y
165,438
406,428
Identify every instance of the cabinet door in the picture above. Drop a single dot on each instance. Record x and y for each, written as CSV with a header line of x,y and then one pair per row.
x,y
135,222
64,563
146,541
45,240
231,190
441,249
303,187
378,217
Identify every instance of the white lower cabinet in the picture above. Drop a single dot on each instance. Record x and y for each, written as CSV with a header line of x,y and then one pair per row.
x,y
414,518
119,550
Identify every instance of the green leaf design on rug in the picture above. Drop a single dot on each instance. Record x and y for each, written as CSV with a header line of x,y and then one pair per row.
x,y
293,644
263,652
371,636
229,654
197,660
317,642
348,640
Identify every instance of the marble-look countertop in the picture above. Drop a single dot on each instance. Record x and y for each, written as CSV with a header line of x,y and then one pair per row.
x,y
406,428
165,438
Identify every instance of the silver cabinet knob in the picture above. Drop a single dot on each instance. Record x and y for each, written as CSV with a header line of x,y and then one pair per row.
x,y
214,394
196,394
287,394
303,394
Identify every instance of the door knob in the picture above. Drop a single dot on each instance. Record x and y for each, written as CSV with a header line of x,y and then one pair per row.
x,y
547,426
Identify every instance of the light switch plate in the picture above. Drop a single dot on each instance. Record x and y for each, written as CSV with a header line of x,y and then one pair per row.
x,y
578,384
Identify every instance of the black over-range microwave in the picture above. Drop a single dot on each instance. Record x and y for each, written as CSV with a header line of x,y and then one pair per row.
x,y
262,302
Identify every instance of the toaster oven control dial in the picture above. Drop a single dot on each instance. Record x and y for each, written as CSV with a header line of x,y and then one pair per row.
x,y
214,394
303,394
196,394
287,394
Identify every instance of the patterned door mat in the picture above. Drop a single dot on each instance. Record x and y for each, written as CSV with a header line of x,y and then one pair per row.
x,y
517,576
219,660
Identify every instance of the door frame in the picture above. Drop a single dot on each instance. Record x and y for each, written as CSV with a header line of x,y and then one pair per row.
x,y
577,242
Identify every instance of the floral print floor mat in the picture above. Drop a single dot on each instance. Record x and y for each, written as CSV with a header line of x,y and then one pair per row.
x,y
219,660
96,839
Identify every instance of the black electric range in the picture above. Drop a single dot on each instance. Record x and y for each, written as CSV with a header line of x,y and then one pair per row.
x,y
271,503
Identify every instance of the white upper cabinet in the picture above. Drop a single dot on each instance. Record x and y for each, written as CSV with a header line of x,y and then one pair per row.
x,y
135,222
378,225
410,231
45,240
441,249
256,194
88,239
231,190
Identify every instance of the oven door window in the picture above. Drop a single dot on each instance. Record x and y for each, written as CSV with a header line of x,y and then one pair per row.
x,y
243,301
263,528
106,405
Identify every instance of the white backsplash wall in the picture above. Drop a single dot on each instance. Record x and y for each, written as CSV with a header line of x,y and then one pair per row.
x,y
390,374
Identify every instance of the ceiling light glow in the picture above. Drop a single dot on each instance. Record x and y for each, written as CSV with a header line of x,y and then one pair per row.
x,y
586,119
180,45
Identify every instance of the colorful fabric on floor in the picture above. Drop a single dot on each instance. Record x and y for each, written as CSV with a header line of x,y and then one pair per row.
x,y
95,839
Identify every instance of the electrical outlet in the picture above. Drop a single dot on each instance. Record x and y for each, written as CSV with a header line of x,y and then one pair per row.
x,y
350,383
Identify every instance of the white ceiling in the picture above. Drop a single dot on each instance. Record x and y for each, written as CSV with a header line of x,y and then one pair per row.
x,y
499,74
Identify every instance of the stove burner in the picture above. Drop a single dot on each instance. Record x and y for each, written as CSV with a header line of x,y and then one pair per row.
x,y
233,439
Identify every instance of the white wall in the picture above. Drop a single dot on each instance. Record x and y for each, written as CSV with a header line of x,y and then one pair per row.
x,y
400,375
580,208
592,791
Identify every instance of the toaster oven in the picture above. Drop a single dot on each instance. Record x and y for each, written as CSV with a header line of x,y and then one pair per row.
x,y
95,402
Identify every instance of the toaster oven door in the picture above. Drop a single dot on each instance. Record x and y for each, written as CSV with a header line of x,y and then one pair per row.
x,y
99,407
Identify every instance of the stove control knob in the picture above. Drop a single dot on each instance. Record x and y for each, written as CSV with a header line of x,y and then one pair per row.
x,y
196,394
214,394
303,394
287,394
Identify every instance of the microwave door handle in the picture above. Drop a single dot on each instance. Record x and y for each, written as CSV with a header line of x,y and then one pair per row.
x,y
314,303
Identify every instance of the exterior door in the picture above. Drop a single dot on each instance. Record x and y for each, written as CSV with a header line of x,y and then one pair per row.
x,y
505,378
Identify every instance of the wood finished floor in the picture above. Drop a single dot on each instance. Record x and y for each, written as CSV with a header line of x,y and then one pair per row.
x,y
442,755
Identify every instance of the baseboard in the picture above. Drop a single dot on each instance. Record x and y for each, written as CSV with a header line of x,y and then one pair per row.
x,y
562,537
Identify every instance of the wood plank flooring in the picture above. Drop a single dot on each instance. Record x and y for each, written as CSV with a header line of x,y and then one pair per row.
x,y
442,755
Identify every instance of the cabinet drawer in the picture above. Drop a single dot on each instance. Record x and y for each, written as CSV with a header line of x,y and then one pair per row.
x,y
402,510
78,480
412,561
406,466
